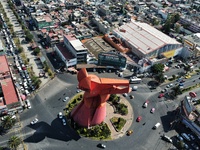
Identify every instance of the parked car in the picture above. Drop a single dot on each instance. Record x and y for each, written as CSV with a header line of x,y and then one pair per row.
x,y
166,138
28,104
191,136
195,146
161,95
185,136
187,76
60,115
64,122
27,93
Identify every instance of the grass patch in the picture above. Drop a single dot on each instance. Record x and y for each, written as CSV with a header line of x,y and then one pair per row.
x,y
120,108
118,123
74,102
97,132
191,87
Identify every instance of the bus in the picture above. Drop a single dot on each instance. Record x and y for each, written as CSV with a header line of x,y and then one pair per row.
x,y
137,80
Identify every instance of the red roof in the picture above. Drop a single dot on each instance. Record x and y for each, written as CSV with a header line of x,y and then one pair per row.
x,y
64,51
9,92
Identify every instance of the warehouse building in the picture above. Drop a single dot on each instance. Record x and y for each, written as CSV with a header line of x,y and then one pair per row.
x,y
147,42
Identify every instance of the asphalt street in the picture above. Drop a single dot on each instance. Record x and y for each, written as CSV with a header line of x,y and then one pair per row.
x,y
50,134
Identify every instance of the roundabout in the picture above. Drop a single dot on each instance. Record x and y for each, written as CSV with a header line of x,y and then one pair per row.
x,y
61,137
111,113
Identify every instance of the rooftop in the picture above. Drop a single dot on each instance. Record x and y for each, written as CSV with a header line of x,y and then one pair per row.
x,y
9,92
143,36
64,51
77,44
96,45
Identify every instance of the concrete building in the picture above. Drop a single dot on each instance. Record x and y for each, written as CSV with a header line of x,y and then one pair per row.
x,y
8,95
190,115
192,23
103,26
192,42
76,47
65,55
41,21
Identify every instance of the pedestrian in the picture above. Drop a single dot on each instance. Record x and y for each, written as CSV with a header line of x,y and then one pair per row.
x,y
144,123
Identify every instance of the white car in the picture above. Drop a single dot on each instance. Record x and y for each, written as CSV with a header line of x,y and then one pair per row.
x,y
60,115
78,90
65,99
27,93
125,94
34,121
64,122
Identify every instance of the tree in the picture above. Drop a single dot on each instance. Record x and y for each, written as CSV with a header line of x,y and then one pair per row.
x,y
160,77
176,91
20,49
8,122
29,37
187,68
181,145
157,68
14,142
176,17
1,25
37,51
177,28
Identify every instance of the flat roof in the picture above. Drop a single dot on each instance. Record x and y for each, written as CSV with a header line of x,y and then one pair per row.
x,y
96,45
8,88
3,64
64,51
77,44
143,36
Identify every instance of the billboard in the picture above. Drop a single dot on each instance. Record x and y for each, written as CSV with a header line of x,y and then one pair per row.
x,y
112,59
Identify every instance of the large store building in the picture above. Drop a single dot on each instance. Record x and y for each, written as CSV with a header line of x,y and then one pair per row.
x,y
145,41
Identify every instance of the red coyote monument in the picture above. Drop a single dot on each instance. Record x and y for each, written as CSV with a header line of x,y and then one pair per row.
x,y
92,109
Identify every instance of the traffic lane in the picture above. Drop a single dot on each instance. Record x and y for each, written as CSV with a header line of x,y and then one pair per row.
x,y
49,126
188,82
149,136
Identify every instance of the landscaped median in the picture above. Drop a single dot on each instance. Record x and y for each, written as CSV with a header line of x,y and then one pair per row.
x,y
101,131
118,123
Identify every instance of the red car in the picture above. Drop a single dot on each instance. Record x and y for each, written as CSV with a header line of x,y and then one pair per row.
x,y
138,118
161,95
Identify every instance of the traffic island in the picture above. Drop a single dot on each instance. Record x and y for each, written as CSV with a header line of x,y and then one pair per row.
x,y
115,124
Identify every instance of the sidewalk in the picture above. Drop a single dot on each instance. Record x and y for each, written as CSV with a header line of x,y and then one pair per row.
x,y
110,114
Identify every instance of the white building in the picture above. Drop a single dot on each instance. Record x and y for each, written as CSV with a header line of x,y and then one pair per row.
x,y
76,48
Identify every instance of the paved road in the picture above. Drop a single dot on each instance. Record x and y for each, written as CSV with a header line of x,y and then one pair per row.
x,y
50,134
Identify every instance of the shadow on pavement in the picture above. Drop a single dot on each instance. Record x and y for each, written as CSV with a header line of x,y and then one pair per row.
x,y
167,119
54,131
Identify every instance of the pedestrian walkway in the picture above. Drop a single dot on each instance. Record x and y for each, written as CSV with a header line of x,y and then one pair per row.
x,y
110,114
